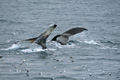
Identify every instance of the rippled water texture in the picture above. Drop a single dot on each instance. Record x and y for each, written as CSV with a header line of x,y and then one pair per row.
x,y
90,55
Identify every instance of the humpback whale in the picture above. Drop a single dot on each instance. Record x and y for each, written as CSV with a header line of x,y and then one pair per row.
x,y
60,38
63,38
41,40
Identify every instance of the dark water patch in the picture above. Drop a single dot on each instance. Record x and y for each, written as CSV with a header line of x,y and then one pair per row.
x,y
88,59
64,78
14,22
117,53
41,78
72,42
13,76
1,56
44,55
3,20
11,22
110,42
108,59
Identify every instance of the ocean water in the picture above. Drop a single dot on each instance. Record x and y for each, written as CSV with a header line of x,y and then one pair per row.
x,y
90,55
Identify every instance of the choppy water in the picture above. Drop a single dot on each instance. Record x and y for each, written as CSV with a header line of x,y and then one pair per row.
x,y
91,55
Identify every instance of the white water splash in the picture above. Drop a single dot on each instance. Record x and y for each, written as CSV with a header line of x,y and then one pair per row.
x,y
63,46
14,46
90,42
21,45
29,48
36,50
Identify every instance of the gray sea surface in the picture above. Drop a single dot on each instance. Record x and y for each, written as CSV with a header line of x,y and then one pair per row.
x,y
90,55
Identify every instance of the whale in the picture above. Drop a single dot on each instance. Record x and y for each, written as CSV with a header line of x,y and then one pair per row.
x,y
41,39
64,37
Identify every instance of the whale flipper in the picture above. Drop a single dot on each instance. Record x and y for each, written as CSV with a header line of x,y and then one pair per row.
x,y
41,40
64,37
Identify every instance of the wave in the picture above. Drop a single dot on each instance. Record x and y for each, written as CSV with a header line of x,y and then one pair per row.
x,y
18,45
27,47
86,44
90,42
110,42
10,21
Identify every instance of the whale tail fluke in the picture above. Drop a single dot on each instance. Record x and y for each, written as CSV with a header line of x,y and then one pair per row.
x,y
63,38
41,40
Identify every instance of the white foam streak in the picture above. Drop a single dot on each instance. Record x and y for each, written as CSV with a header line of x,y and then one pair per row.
x,y
14,46
64,46
90,42
36,50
